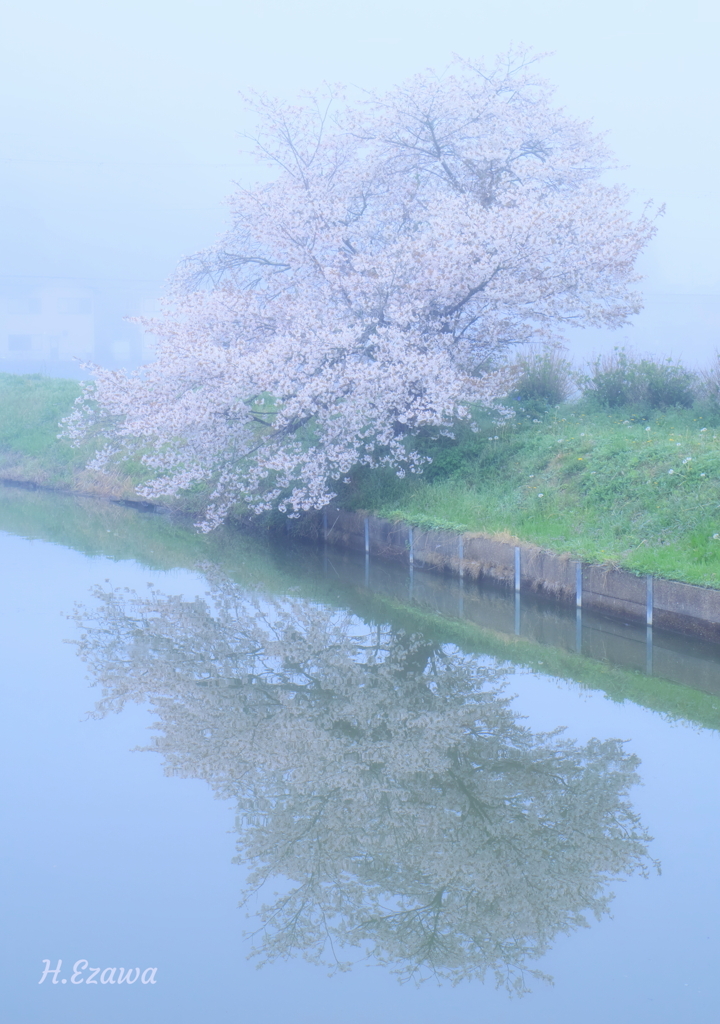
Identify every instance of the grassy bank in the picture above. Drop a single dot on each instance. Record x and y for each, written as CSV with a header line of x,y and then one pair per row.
x,y
642,492
31,407
637,490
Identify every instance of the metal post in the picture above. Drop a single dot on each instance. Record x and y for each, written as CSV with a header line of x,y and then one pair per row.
x,y
649,615
517,570
367,536
578,584
460,555
517,612
578,629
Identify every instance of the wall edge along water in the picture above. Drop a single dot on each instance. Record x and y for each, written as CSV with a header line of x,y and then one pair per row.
x,y
644,600
647,600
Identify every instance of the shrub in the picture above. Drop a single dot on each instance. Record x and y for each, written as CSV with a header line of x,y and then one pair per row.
x,y
546,379
667,384
618,379
613,380
710,385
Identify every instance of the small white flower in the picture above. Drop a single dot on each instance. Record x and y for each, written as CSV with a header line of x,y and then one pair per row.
x,y
670,472
703,474
678,444
716,536
532,476
582,435
703,429
688,459
647,428
540,495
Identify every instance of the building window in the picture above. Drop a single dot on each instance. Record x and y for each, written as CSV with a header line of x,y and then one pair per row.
x,y
75,305
19,342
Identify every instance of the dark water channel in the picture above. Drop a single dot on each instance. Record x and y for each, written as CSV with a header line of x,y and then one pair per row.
x,y
432,804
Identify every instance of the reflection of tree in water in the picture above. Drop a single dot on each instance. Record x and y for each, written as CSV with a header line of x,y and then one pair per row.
x,y
385,777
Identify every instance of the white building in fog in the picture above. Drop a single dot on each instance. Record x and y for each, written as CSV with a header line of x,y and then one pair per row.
x,y
50,324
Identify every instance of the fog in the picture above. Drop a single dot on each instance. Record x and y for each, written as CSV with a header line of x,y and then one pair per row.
x,y
121,125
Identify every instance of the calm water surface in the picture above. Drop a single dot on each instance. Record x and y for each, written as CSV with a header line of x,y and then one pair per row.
x,y
243,758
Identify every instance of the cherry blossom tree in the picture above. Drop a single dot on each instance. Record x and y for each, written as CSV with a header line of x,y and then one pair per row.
x,y
371,288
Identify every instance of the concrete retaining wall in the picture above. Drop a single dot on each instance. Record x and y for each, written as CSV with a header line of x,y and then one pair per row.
x,y
679,607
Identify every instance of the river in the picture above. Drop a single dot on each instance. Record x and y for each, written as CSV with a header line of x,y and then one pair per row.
x,y
405,800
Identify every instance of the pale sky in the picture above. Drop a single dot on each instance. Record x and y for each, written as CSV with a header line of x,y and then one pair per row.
x,y
121,119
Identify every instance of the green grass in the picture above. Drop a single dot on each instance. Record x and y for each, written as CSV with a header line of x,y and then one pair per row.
x,y
602,487
31,407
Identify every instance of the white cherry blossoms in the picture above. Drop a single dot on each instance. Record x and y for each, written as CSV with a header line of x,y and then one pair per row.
x,y
371,289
